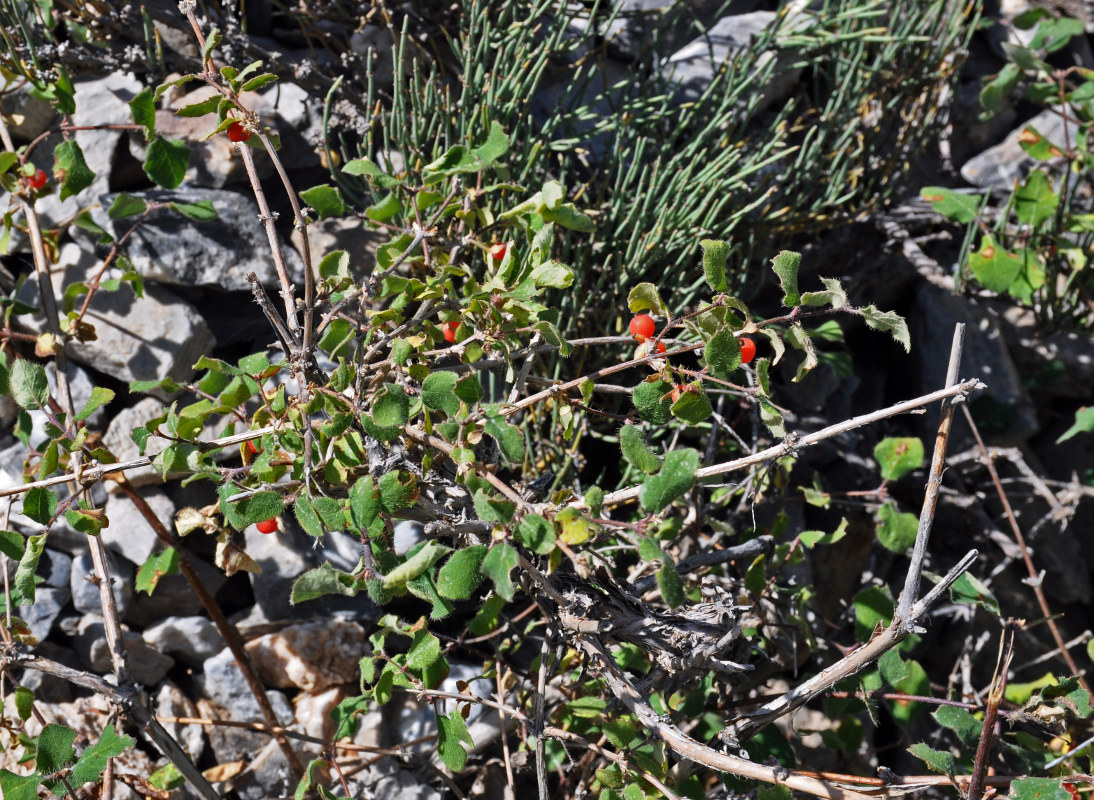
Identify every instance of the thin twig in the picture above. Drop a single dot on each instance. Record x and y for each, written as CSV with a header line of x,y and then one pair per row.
x,y
934,485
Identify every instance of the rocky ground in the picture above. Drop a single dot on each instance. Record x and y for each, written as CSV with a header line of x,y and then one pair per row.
x,y
196,301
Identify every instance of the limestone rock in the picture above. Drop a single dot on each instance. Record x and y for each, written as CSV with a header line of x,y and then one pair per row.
x,y
191,639
312,656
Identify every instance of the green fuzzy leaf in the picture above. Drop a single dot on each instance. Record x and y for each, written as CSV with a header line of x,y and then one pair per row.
x,y
509,438
785,265
89,767
896,530
167,161
422,559
451,736
201,211
99,398
833,295
143,109
326,200
40,504
888,321
28,384
71,169
692,407
1084,423
967,727
23,586
492,509
392,408
944,762
1054,34
645,297
369,169
1038,789
770,416
12,544
638,455
714,263
996,90
126,205
873,605
653,401
19,787
156,567
676,477
254,509
969,590
257,82
439,392
334,266
722,353
892,667
553,274
24,703
536,533
670,585
497,142
1034,200
308,517
469,389
397,490
960,207
898,456
461,573
55,751
207,106
570,218
321,581
499,562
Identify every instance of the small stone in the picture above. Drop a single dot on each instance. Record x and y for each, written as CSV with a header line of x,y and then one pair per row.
x,y
313,710
225,685
312,656
190,639
147,666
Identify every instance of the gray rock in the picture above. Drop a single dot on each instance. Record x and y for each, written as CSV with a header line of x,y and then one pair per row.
x,y
147,666
47,607
1000,166
85,593
268,775
129,532
219,253
312,656
229,744
693,67
190,639
225,685
1005,407
313,710
137,338
327,235
671,25
119,441
407,534
171,702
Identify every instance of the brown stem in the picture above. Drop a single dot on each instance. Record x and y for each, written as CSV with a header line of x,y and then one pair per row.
x,y
225,628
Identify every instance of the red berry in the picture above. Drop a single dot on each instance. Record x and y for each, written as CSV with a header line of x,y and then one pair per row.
x,y
449,331
644,349
253,447
237,133
748,350
267,526
497,251
38,180
641,327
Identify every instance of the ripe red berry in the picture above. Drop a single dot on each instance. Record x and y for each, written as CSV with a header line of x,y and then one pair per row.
x,y
237,133
252,447
641,327
267,525
748,350
449,331
497,251
38,180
